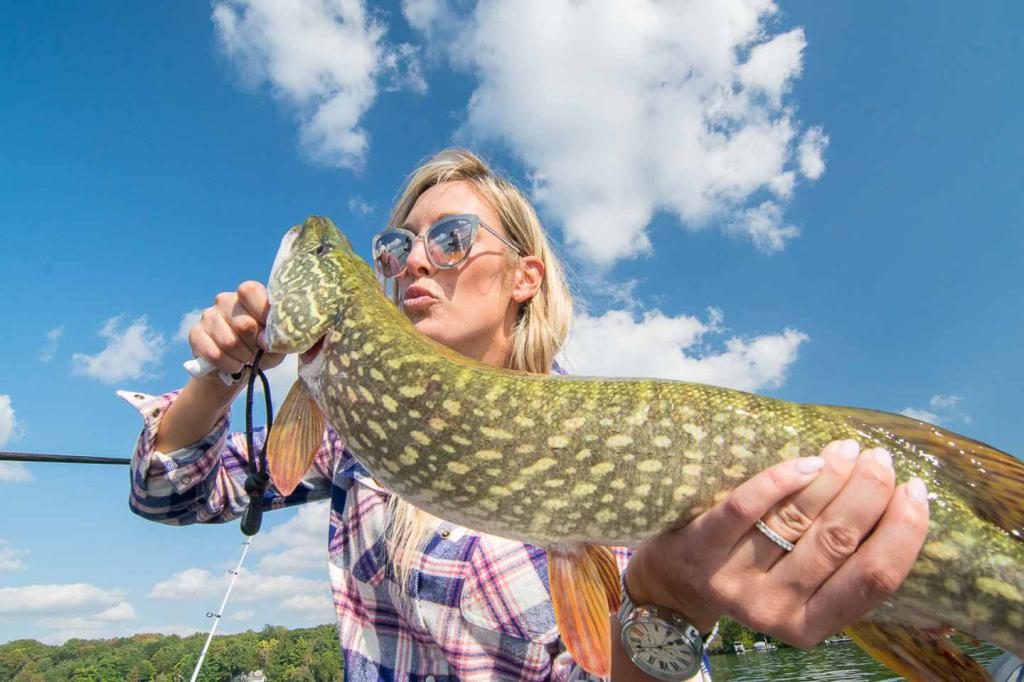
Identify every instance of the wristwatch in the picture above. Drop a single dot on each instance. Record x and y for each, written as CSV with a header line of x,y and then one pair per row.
x,y
659,641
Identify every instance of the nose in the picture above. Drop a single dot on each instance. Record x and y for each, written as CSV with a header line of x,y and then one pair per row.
x,y
418,264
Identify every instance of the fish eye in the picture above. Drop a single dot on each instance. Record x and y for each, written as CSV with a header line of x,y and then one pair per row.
x,y
322,248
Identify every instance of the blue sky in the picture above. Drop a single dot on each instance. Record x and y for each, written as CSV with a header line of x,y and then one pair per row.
x,y
819,202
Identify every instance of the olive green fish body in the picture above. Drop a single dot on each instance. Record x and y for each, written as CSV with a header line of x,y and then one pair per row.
x,y
561,460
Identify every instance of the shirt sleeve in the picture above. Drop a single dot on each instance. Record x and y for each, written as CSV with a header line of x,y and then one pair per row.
x,y
205,482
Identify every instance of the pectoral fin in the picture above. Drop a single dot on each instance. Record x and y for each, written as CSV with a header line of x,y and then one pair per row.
x,y
294,439
585,591
917,654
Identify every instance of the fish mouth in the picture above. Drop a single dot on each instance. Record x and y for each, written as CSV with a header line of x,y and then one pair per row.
x,y
308,356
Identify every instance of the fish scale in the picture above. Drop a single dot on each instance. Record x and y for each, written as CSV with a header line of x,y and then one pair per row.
x,y
564,461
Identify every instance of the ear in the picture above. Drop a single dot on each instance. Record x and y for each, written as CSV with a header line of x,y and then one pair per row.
x,y
528,278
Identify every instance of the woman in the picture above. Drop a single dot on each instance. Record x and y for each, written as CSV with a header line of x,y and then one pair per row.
x,y
419,598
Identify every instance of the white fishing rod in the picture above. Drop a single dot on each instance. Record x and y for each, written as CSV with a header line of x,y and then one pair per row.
x,y
217,616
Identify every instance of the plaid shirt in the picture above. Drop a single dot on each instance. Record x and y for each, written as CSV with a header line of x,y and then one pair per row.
x,y
477,607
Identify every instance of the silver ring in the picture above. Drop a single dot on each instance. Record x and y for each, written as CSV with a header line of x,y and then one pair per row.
x,y
773,536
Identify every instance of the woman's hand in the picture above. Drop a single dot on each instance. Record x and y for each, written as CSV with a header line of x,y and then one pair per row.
x,y
856,537
227,333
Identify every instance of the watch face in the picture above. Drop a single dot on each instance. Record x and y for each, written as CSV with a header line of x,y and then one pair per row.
x,y
660,649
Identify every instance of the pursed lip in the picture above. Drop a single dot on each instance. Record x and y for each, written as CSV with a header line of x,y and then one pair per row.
x,y
417,296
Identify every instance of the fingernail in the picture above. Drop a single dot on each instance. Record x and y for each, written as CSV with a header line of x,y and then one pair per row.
x,y
917,490
849,449
261,339
809,465
883,457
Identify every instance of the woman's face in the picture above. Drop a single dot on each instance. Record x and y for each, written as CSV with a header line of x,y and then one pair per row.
x,y
470,308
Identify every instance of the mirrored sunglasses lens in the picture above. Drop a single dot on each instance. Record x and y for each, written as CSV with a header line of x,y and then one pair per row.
x,y
449,242
390,252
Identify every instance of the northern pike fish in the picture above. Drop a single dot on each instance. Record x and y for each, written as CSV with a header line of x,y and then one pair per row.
x,y
577,464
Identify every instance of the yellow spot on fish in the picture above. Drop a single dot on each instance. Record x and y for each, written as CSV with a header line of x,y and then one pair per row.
x,y
499,491
345,359
377,429
412,391
1015,620
941,551
525,422
683,492
649,466
542,464
437,423
602,469
790,450
584,489
452,406
441,484
554,482
720,495
448,448
718,440
606,516
999,588
574,423
662,442
457,468
525,448
367,396
737,471
639,417
351,394
489,505
368,347
389,403
643,489
583,454
692,469
606,422
557,442
618,484
695,432
619,441
517,485
555,504
607,497
456,438
744,432
376,374
740,452
694,455
496,434
408,456
952,585
420,437
634,505
488,455
415,414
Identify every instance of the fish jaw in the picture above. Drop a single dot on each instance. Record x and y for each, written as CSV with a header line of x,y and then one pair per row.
x,y
305,285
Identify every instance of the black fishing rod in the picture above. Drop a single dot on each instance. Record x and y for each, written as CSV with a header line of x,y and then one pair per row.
x,y
60,459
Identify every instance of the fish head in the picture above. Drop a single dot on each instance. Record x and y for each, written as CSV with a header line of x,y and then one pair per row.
x,y
306,285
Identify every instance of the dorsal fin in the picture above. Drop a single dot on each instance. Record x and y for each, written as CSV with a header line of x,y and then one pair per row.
x,y
990,481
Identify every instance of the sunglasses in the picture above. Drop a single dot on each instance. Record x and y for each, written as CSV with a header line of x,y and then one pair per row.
x,y
447,243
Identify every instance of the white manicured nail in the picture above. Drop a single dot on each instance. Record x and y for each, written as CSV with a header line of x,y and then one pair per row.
x,y
809,465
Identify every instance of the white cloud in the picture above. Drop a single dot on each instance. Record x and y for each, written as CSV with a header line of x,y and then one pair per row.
x,y
10,472
280,379
944,409
923,415
623,109
301,542
129,354
52,341
812,149
192,583
188,320
325,58
617,344
11,558
116,613
57,599
358,205
244,614
317,608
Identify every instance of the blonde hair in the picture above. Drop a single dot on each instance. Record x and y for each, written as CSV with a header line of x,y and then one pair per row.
x,y
540,328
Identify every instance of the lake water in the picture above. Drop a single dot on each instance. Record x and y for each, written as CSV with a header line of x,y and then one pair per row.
x,y
833,662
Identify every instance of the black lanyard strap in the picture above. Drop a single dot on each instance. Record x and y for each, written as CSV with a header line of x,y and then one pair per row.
x,y
258,480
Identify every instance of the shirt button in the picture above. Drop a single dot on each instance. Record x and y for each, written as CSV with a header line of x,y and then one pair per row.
x,y
445,533
185,480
